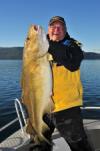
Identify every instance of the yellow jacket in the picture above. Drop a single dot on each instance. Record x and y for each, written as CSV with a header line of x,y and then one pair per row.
x,y
66,56
67,88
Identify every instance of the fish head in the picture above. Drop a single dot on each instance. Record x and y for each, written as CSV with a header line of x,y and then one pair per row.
x,y
36,43
43,42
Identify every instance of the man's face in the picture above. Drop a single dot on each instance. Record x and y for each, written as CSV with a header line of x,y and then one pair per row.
x,y
56,31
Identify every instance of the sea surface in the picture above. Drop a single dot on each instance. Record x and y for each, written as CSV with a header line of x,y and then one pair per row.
x,y
10,74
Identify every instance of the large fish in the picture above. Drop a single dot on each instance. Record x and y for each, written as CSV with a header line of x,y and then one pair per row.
x,y
37,80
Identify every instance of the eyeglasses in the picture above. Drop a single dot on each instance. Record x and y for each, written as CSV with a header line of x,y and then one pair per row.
x,y
56,27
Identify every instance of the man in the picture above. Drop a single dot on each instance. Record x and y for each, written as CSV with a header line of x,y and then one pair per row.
x,y
67,88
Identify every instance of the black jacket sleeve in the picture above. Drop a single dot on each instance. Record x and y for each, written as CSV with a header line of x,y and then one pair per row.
x,y
69,56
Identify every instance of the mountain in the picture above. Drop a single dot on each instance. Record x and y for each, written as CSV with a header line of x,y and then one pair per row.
x,y
11,52
17,52
91,55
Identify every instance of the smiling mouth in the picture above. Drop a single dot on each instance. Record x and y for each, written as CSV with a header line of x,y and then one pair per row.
x,y
56,34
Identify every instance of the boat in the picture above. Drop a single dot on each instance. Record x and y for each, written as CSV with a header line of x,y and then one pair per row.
x,y
19,140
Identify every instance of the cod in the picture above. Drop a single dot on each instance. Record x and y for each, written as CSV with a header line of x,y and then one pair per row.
x,y
36,81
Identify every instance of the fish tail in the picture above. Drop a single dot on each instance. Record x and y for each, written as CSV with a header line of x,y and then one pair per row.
x,y
45,128
43,138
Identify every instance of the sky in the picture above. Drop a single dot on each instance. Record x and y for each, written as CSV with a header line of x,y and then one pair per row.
x,y
82,19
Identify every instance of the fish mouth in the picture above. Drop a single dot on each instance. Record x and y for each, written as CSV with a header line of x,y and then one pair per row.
x,y
36,27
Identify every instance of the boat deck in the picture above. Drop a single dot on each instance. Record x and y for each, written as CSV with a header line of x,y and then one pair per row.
x,y
20,142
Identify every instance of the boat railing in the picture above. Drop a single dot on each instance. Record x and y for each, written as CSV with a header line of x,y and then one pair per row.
x,y
90,107
19,109
21,116
9,124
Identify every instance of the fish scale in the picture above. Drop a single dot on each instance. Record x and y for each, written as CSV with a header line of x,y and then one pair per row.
x,y
37,81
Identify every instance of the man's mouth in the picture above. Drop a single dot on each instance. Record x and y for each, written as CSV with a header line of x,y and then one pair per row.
x,y
56,34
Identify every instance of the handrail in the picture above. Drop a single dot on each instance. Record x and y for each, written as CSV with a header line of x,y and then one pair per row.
x,y
9,124
17,102
15,120
21,108
90,107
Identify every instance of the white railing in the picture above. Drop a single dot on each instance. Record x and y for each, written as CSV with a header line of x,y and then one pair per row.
x,y
19,109
18,105
90,107
9,124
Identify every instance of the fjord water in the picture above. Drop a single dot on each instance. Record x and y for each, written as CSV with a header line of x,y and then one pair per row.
x,y
10,73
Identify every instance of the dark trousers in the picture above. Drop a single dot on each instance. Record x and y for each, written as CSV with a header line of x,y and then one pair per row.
x,y
70,125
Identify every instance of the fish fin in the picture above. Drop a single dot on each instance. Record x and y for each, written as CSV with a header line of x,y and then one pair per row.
x,y
43,138
45,127
49,57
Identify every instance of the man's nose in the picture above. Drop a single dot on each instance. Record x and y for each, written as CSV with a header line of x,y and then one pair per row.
x,y
57,28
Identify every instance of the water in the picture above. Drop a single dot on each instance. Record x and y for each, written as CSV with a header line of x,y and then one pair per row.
x,y
10,72
9,88
90,76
